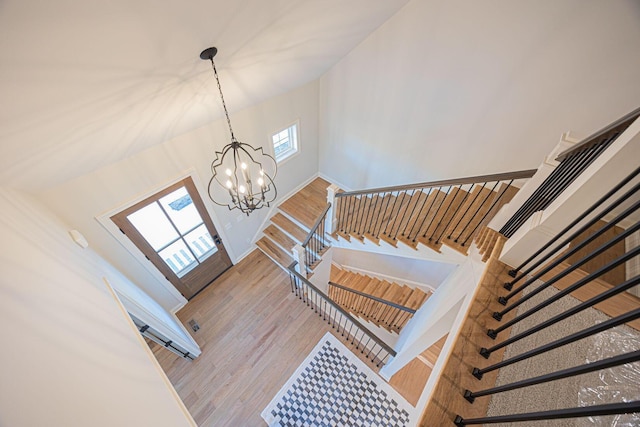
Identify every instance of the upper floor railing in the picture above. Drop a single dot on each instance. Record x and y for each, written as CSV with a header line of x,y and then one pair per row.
x,y
579,258
572,163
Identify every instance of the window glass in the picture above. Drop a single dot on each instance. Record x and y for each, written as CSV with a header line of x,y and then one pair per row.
x,y
178,257
154,226
180,208
285,142
201,243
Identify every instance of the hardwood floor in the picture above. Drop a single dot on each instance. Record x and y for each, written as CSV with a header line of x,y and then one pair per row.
x,y
253,333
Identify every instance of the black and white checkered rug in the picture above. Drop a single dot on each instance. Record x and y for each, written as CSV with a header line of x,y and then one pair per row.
x,y
333,387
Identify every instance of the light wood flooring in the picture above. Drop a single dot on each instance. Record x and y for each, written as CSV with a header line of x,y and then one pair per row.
x,y
254,333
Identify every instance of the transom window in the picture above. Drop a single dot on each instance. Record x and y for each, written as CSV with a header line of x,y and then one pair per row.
x,y
285,142
175,230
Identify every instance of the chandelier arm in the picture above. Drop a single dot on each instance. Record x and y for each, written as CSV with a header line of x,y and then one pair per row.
x,y
262,153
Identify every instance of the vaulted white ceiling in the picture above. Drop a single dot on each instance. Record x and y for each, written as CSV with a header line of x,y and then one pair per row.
x,y
87,83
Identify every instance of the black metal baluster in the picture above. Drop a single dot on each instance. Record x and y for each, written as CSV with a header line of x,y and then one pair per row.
x,y
352,203
356,214
410,228
420,212
391,215
394,216
404,215
343,216
466,210
436,214
367,221
542,192
377,211
503,300
497,199
568,313
600,327
610,362
582,411
476,212
583,228
364,347
383,213
584,159
466,195
602,270
444,229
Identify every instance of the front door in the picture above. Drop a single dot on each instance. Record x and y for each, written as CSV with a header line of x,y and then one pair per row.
x,y
174,232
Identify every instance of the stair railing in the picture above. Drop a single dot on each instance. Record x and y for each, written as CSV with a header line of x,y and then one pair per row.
x,y
355,333
391,314
427,212
572,163
596,242
316,241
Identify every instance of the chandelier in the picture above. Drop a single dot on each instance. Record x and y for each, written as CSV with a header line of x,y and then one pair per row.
x,y
242,175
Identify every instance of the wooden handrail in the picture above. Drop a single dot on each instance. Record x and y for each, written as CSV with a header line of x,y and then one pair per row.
x,y
375,298
456,181
618,126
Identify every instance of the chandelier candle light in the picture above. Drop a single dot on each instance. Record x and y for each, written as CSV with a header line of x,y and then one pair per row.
x,y
241,172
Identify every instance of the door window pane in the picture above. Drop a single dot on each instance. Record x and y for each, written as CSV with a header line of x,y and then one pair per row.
x,y
154,226
201,243
178,258
180,208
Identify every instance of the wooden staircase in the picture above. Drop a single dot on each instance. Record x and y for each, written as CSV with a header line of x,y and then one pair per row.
x,y
291,224
383,315
428,217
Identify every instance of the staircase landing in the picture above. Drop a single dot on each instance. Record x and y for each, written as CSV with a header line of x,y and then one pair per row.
x,y
307,204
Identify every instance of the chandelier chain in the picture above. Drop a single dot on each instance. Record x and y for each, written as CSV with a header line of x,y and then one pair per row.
x,y
224,105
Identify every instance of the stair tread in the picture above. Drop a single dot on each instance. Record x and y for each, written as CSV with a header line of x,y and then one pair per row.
x,y
279,237
418,296
274,252
289,227
306,205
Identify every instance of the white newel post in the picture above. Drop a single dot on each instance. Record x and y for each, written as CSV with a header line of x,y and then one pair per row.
x,y
298,255
331,220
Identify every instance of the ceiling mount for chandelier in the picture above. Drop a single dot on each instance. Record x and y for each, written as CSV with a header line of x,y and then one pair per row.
x,y
242,175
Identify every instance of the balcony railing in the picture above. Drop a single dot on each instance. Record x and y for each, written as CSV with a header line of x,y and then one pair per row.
x,y
561,256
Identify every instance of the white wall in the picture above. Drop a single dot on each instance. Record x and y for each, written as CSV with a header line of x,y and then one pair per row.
x,y
443,84
80,200
70,357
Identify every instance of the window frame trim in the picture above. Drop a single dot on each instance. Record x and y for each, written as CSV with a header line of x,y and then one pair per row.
x,y
298,149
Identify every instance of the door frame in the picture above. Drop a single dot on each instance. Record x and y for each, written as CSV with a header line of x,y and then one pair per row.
x,y
104,219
